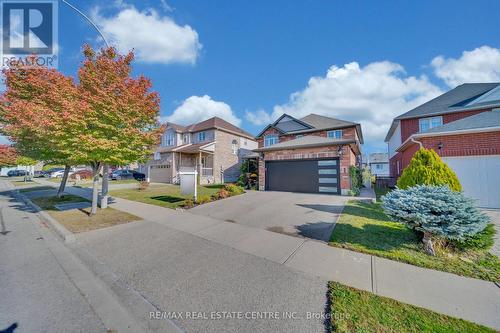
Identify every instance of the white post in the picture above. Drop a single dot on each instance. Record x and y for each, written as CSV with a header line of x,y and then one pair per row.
x,y
105,187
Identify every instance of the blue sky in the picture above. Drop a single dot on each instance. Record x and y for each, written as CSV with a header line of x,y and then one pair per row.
x,y
249,61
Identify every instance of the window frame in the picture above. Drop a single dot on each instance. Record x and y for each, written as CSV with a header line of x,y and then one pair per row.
x,y
268,137
184,137
202,136
334,136
169,139
429,122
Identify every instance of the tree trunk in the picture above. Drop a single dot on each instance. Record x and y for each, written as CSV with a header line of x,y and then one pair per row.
x,y
428,246
105,186
95,187
64,180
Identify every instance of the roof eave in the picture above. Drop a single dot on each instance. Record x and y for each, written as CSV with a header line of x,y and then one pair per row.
x,y
470,108
446,133
309,145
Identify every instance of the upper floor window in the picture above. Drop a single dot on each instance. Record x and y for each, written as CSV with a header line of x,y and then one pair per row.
x,y
234,147
298,136
201,136
270,139
169,139
425,124
157,156
185,138
337,134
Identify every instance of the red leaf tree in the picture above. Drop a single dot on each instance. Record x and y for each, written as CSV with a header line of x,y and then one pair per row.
x,y
8,156
122,113
42,113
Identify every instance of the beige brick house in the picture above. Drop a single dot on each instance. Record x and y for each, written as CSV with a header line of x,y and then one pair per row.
x,y
214,147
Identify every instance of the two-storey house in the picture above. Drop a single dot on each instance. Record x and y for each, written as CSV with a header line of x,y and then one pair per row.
x,y
311,154
214,147
463,127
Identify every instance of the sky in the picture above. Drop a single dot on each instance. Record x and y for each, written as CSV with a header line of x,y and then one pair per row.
x,y
248,62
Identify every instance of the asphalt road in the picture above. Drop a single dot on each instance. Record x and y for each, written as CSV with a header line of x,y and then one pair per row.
x,y
36,294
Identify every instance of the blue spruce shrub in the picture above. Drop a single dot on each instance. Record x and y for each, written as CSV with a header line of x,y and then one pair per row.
x,y
436,211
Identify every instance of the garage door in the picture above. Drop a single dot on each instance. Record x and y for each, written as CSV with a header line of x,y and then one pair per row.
x,y
310,176
480,178
160,173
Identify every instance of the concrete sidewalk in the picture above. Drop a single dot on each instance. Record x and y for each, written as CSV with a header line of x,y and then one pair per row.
x,y
471,299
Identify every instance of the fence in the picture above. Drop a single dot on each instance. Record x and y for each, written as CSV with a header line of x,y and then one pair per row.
x,y
385,182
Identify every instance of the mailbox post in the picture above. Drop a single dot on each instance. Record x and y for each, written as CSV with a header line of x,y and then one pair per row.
x,y
188,179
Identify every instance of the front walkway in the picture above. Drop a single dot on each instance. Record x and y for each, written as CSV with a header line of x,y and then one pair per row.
x,y
471,299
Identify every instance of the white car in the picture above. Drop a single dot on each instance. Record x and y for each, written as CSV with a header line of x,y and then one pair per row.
x,y
59,174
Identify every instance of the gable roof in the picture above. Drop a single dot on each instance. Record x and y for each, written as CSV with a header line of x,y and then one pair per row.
x,y
306,141
461,98
212,123
313,123
450,101
379,158
482,120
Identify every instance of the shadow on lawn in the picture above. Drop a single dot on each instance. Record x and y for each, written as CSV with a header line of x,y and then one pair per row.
x,y
168,198
377,233
375,237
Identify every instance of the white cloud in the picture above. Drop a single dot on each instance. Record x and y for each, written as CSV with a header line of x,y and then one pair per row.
x,y
198,108
259,117
479,65
155,38
372,95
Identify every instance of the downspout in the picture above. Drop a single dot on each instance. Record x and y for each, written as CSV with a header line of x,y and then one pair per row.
x,y
415,141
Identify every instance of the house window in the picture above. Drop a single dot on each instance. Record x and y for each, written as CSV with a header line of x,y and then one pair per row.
x,y
270,139
185,138
201,136
337,134
234,147
157,156
428,123
245,142
169,139
298,136
378,166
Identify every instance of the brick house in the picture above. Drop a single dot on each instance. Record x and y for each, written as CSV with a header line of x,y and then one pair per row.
x,y
463,127
311,154
214,147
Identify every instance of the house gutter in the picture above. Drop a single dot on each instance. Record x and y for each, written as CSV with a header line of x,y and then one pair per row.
x,y
446,133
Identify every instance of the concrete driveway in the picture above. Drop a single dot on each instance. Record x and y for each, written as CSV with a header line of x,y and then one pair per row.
x,y
298,214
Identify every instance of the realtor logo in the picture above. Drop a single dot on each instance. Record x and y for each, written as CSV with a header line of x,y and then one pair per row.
x,y
29,27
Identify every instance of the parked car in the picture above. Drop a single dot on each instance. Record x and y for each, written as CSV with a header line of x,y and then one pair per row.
x,y
50,171
40,174
139,176
17,173
127,174
59,174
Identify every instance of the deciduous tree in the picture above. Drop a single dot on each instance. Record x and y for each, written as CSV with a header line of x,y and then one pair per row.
x,y
42,113
8,156
122,119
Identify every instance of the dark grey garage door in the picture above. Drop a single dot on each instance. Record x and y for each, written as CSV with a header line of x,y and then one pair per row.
x,y
310,176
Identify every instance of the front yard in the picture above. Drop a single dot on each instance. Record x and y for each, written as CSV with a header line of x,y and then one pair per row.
x,y
78,220
365,228
167,195
353,310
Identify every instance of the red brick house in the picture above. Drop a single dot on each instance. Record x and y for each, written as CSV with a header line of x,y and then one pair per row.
x,y
463,127
311,154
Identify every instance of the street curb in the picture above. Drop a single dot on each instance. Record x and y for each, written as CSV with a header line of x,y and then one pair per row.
x,y
64,233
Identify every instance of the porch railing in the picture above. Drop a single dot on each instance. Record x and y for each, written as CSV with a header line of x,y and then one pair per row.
x,y
207,172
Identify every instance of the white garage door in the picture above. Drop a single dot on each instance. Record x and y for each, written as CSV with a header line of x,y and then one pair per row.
x,y
480,178
160,174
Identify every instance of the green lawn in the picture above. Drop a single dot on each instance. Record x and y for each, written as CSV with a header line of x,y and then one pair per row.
x,y
365,228
21,182
78,220
353,310
162,195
